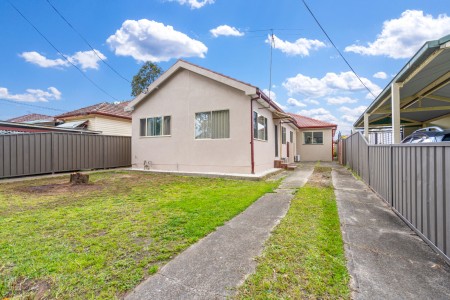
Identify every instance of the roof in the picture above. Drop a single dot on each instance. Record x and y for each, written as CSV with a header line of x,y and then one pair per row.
x,y
425,89
31,118
247,88
306,122
74,124
104,108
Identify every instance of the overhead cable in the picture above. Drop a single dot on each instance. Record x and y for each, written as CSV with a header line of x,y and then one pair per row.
x,y
340,54
87,43
65,57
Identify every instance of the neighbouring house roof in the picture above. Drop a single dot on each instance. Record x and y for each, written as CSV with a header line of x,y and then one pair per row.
x,y
11,128
32,118
104,108
306,122
75,124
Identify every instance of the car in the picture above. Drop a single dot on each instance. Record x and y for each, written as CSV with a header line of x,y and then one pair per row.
x,y
428,135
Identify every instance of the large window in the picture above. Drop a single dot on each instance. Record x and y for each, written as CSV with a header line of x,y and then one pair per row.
x,y
283,135
315,137
156,126
259,127
212,124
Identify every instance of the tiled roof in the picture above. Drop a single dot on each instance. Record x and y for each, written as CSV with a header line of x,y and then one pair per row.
x,y
104,108
306,122
30,118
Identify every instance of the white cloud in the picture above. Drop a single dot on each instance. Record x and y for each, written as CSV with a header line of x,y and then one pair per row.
x,y
380,75
402,37
352,114
194,3
87,59
330,84
147,40
40,60
295,102
312,101
84,59
319,114
340,100
225,30
300,47
32,95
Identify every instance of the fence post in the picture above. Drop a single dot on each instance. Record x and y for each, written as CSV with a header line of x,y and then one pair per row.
x,y
52,152
391,181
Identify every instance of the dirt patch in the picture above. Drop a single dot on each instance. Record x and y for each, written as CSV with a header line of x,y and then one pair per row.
x,y
26,288
59,188
321,177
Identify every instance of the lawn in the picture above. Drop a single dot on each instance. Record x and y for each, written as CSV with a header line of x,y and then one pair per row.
x,y
304,257
101,240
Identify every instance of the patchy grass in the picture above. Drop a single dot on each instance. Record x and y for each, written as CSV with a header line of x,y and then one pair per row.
x,y
304,257
100,240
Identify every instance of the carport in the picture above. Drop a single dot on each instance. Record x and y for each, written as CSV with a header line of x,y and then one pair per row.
x,y
418,96
412,178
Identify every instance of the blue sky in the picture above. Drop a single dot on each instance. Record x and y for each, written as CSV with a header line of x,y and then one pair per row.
x,y
227,36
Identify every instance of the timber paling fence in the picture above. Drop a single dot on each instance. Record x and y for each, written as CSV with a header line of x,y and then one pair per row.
x,y
414,179
44,153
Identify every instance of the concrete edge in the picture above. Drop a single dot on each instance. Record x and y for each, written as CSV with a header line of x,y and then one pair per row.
x,y
251,177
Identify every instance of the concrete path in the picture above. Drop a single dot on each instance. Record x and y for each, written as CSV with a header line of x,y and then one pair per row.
x,y
386,259
217,264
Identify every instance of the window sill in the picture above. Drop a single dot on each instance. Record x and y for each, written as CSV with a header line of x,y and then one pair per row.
x,y
154,136
260,140
313,144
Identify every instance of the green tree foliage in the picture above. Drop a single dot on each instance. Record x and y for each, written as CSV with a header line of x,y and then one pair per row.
x,y
148,73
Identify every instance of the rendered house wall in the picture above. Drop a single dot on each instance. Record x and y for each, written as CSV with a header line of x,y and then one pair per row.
x,y
181,96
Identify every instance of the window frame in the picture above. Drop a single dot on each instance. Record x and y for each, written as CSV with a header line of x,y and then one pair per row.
x,y
211,122
312,137
162,127
283,135
291,137
256,131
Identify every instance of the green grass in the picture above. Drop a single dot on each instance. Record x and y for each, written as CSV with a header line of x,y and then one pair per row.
x,y
101,240
304,257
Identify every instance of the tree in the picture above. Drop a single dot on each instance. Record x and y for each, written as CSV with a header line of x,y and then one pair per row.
x,y
148,73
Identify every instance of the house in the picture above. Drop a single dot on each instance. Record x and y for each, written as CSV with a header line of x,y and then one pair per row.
x,y
108,118
192,119
315,138
18,128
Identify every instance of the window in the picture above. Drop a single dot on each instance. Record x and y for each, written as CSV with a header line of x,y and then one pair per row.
x,y
291,136
259,127
283,135
212,124
315,137
156,126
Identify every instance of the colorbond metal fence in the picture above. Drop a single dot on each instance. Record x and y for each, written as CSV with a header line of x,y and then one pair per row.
x,y
413,178
43,153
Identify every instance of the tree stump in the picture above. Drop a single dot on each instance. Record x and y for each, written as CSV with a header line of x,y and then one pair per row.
x,y
79,178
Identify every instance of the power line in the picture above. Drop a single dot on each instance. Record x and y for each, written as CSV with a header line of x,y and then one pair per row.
x,y
81,36
32,105
345,60
68,60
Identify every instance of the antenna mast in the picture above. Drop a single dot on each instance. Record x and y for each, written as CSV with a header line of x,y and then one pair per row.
x,y
272,44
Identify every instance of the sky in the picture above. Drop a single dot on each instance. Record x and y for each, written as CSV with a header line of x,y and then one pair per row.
x,y
56,70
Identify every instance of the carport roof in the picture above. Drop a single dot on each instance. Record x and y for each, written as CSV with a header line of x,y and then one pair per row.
x,y
425,90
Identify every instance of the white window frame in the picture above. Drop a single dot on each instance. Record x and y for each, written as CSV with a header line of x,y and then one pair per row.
x,y
162,127
283,135
265,138
312,138
211,112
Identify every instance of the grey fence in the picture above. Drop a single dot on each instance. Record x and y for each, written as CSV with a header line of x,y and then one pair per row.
x,y
42,153
413,178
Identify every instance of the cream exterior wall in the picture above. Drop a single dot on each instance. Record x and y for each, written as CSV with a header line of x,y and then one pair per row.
x,y
181,96
315,152
107,125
